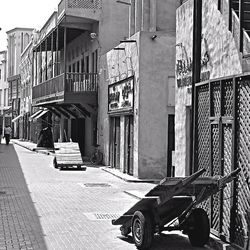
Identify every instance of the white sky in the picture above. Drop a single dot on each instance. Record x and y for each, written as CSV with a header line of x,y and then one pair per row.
x,y
24,14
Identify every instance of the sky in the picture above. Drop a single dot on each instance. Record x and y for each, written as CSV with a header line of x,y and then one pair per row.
x,y
24,14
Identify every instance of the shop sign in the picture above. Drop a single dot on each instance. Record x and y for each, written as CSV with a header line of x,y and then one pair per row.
x,y
121,96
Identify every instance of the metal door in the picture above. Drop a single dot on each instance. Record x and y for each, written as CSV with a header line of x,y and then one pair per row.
x,y
114,144
128,152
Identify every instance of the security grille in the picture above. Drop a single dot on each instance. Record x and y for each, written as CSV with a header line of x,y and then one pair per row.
x,y
96,184
84,4
203,128
222,129
102,216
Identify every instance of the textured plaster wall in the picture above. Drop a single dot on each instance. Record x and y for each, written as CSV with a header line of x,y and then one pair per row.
x,y
152,63
165,18
114,24
115,66
156,66
224,60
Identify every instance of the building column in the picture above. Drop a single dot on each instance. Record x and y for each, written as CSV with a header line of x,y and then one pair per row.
x,y
122,144
132,18
138,15
61,129
52,56
40,65
152,18
57,47
145,15
46,59
69,129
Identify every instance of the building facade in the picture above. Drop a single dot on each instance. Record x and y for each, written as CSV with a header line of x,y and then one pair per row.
x,y
18,39
25,91
5,117
136,100
221,111
66,67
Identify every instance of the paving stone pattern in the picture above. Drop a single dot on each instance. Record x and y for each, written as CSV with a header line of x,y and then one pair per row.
x,y
44,208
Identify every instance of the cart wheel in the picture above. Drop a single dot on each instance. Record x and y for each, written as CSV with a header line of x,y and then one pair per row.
x,y
199,233
125,231
142,229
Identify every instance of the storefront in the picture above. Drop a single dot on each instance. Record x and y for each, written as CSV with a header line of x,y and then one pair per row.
x,y
120,110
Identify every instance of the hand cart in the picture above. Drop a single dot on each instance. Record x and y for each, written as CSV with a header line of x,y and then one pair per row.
x,y
172,205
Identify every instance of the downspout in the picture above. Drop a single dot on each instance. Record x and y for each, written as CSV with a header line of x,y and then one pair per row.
x,y
196,71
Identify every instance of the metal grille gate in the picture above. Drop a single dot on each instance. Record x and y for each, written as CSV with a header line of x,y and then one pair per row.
x,y
222,143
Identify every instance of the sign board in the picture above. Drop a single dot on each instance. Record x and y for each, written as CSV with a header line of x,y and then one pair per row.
x,y
121,96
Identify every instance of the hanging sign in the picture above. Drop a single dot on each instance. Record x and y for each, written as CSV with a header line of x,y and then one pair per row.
x,y
121,96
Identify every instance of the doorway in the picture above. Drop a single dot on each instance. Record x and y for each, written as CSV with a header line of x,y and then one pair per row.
x,y
114,143
128,151
78,133
171,147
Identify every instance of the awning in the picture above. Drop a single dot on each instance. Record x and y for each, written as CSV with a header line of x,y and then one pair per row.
x,y
35,114
41,114
16,118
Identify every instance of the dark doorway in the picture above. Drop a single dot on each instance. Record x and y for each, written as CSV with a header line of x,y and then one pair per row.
x,y
171,142
78,133
114,152
128,152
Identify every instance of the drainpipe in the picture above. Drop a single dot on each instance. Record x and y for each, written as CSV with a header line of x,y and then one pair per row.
x,y
196,71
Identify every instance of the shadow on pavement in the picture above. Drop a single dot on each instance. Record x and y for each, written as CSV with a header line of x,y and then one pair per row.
x,y
20,227
167,241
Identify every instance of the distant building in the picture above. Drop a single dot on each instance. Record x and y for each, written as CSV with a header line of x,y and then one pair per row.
x,y
25,92
5,112
136,94
18,39
66,67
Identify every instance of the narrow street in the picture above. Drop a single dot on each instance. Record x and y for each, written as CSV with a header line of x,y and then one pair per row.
x,y
45,208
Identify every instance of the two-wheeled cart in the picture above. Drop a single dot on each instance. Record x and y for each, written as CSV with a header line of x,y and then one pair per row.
x,y
172,205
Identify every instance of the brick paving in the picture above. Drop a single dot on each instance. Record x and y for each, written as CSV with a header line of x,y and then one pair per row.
x,y
44,208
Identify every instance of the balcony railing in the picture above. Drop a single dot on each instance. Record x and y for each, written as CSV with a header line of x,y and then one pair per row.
x,y
65,5
50,87
81,82
66,82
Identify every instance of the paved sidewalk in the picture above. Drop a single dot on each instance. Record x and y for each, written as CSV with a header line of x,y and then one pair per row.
x,y
44,208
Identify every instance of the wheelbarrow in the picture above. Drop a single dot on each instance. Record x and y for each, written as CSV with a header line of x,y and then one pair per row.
x,y
172,205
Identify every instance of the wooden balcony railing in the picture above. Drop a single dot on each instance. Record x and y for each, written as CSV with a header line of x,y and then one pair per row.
x,y
52,86
66,82
81,82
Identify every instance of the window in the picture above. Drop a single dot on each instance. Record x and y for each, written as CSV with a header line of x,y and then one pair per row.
x,y
0,97
0,74
73,67
69,68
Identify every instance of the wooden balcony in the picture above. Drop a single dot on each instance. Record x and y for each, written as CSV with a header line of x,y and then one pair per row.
x,y
67,88
85,9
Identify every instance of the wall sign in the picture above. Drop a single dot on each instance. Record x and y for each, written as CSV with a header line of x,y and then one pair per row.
x,y
121,96
184,65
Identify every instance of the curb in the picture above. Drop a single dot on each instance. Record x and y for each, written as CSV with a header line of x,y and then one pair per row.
x,y
126,177
31,148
